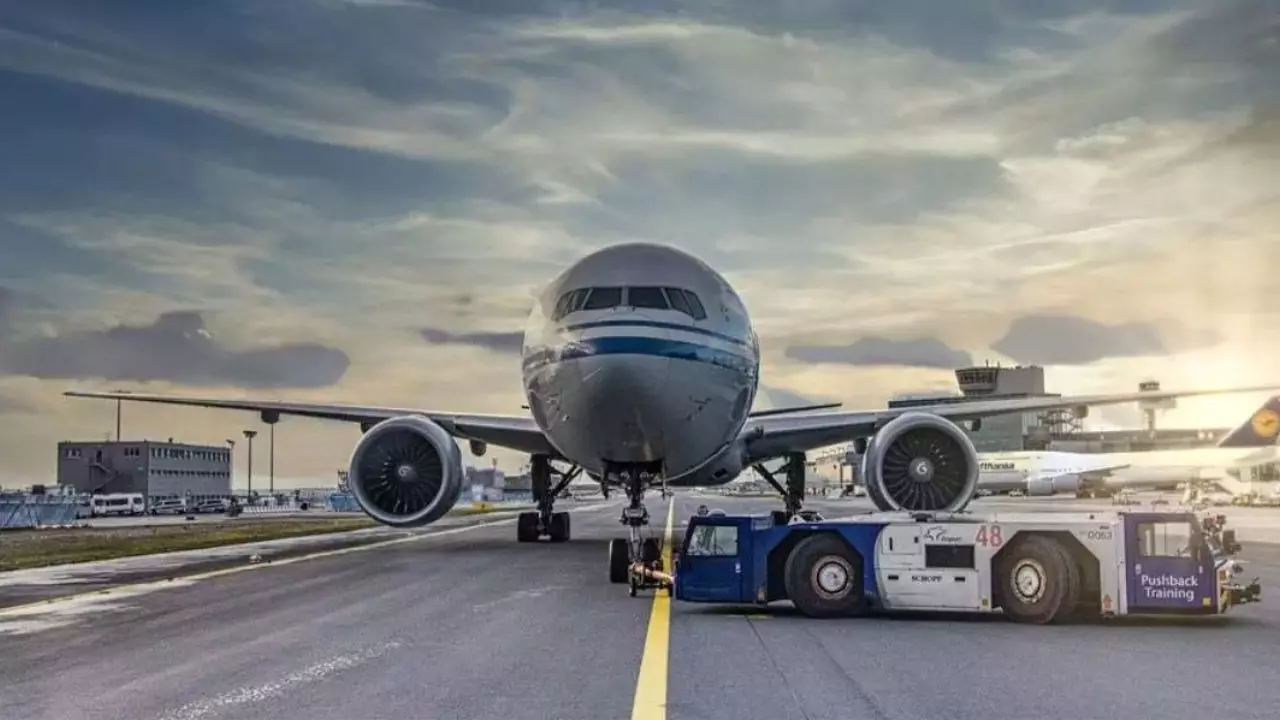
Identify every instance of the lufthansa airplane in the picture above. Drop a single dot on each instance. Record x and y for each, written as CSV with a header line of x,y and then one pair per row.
x,y
640,367
1040,473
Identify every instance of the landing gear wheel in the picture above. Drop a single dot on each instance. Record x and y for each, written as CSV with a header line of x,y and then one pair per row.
x,y
1039,581
527,527
619,563
824,577
650,551
558,528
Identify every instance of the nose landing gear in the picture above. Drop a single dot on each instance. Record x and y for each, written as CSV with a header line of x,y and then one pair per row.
x,y
637,560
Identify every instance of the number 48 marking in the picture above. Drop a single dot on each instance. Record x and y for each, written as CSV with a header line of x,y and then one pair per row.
x,y
989,536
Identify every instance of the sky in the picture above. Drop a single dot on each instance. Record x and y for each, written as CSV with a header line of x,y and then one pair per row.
x,y
356,200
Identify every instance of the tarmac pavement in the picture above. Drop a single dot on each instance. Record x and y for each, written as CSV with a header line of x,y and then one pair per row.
x,y
470,624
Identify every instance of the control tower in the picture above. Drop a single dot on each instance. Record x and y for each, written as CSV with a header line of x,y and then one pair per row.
x,y
995,380
1151,407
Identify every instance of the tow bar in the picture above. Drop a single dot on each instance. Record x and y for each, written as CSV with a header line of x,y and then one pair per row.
x,y
648,577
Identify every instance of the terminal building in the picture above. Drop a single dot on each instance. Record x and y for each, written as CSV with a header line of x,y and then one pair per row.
x,y
1053,430
1003,433
145,466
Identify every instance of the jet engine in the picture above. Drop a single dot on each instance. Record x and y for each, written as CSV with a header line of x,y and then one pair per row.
x,y
1043,487
406,472
920,462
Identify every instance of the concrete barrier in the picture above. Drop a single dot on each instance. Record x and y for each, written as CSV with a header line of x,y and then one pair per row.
x,y
271,509
24,510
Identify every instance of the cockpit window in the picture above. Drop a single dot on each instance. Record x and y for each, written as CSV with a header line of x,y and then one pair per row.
x,y
562,306
647,297
571,301
679,302
699,313
603,298
654,298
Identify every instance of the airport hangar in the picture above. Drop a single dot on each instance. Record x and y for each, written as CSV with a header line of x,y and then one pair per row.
x,y
1056,430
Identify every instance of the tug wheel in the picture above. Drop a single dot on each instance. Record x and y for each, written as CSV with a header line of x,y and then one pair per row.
x,y
1038,581
824,577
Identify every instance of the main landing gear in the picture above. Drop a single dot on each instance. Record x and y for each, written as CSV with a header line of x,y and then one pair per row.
x,y
548,483
636,559
793,492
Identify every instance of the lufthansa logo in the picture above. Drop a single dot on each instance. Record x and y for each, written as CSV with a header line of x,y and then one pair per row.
x,y
1266,423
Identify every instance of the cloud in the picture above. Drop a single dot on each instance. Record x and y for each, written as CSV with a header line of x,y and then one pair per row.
x,y
917,352
503,342
1069,340
342,169
10,404
176,347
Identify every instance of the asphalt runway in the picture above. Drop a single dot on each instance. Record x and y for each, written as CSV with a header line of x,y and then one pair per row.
x,y
471,624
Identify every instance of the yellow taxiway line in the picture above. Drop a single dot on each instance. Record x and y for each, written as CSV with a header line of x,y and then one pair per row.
x,y
651,684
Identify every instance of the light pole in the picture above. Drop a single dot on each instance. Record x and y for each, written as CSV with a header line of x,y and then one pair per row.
x,y
271,462
231,465
250,435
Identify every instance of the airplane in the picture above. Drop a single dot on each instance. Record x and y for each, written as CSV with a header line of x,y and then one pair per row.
x,y
1041,473
640,364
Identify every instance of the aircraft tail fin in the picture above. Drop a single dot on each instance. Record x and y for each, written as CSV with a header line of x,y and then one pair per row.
x,y
1260,430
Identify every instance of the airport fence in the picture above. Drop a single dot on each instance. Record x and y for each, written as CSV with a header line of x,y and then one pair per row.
x,y
343,502
24,510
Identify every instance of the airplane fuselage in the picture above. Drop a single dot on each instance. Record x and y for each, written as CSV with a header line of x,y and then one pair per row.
x,y
642,354
1051,462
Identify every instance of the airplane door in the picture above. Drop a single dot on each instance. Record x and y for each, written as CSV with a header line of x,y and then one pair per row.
x,y
714,567
1166,573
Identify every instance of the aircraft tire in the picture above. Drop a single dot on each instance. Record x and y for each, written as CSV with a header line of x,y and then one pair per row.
x,y
1039,582
823,577
619,563
527,527
559,530
650,550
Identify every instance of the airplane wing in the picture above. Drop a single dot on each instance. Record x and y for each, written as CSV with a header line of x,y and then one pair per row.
x,y
774,436
516,433
793,409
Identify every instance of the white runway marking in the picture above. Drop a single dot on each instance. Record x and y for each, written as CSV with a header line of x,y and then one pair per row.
x,y
249,695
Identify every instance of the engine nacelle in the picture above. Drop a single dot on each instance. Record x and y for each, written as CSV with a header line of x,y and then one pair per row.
x,y
1063,484
406,472
920,462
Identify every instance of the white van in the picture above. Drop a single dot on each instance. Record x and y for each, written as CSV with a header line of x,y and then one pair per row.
x,y
118,504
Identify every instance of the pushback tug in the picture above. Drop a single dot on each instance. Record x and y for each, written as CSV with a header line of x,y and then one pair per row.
x,y
923,551
1033,567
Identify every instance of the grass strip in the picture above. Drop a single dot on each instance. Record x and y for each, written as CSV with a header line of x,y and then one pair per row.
x,y
21,550
25,549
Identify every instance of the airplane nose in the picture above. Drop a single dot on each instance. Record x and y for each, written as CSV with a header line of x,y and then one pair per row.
x,y
626,379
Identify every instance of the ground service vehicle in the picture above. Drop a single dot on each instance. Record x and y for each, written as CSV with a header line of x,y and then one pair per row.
x,y
1034,567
